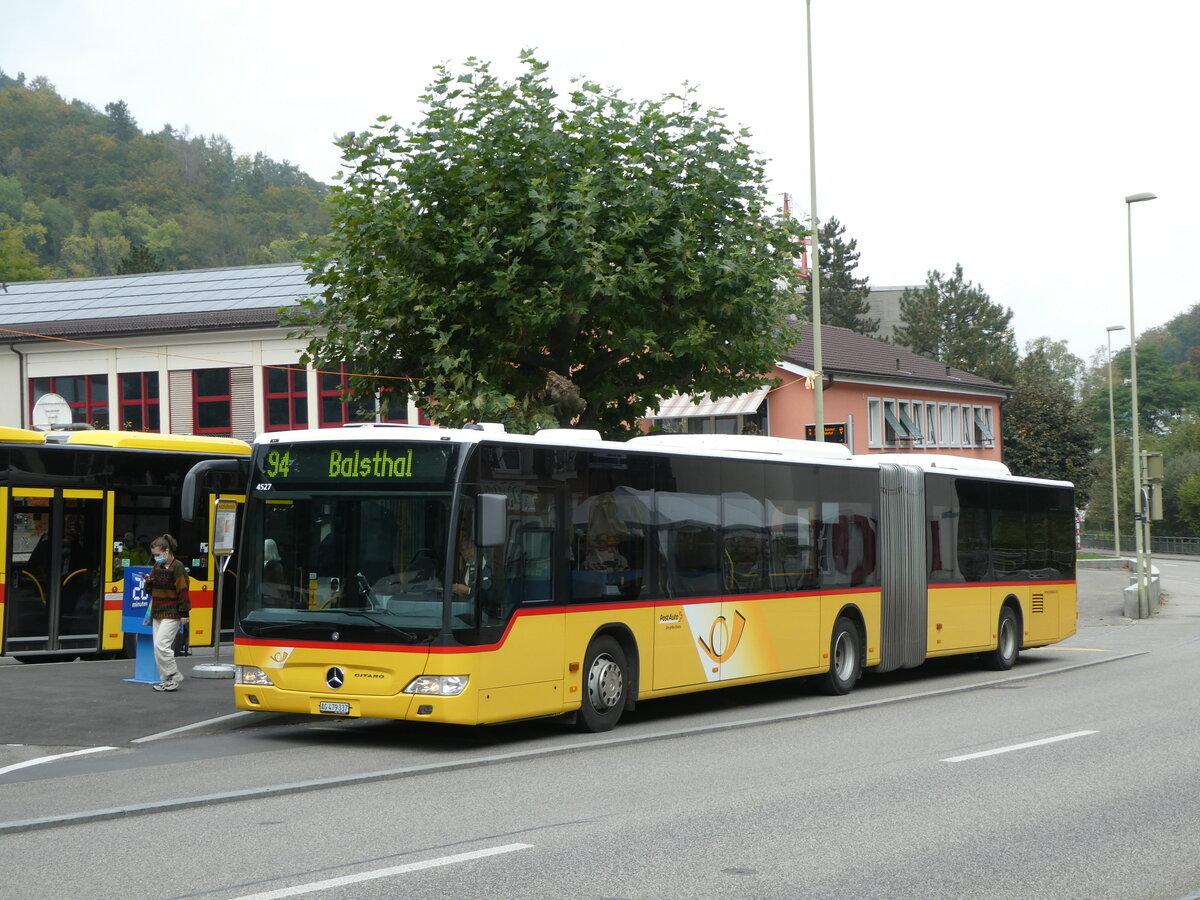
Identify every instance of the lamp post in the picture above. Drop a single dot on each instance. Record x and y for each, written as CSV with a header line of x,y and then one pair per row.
x,y
1112,444
819,377
1139,511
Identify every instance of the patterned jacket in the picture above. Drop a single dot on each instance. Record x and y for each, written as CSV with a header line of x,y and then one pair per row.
x,y
168,589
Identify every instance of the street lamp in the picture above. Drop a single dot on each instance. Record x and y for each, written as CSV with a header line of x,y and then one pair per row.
x,y
1139,513
815,269
1112,444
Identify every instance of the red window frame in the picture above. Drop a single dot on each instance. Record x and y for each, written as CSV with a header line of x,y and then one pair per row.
x,y
145,403
333,409
285,398
94,405
212,401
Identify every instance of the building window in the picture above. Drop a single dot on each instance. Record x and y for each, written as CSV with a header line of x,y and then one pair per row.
x,y
956,427
983,426
212,401
139,401
335,407
945,431
874,420
931,429
393,406
87,395
285,393
968,427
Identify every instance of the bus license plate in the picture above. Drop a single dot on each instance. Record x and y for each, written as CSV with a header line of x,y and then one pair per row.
x,y
337,709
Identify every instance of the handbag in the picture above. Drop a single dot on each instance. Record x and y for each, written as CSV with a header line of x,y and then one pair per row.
x,y
148,619
182,645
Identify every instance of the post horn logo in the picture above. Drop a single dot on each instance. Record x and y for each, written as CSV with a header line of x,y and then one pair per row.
x,y
720,636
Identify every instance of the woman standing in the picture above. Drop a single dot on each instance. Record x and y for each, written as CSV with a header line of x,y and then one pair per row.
x,y
167,584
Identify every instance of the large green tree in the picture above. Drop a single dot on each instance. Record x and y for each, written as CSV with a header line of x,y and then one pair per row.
x,y
955,322
542,260
1047,431
845,299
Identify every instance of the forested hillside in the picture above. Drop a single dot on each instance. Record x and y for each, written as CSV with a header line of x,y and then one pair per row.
x,y
84,192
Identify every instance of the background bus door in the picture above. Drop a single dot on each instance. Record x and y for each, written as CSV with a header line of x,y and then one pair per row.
x,y
54,592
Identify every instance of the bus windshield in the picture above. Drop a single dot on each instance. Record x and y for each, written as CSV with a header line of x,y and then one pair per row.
x,y
352,539
355,563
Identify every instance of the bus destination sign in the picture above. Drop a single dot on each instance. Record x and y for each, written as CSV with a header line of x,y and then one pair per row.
x,y
354,463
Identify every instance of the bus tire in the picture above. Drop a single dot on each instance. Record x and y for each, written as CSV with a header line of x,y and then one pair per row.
x,y
845,659
605,685
1008,642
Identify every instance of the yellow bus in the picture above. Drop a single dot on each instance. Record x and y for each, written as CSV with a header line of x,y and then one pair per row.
x,y
471,576
79,508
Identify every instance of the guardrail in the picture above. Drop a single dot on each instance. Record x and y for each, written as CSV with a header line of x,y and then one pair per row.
x,y
1101,542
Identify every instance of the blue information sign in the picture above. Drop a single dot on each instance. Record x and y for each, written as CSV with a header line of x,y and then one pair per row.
x,y
133,607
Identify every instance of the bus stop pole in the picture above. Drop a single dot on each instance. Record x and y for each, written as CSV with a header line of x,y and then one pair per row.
x,y
224,522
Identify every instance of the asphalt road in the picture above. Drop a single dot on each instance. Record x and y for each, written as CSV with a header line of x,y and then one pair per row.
x,y
1079,764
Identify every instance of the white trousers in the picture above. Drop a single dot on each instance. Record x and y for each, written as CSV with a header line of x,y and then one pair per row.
x,y
164,653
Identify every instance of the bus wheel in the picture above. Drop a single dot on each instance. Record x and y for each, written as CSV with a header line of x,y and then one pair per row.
x,y
845,659
604,686
1008,643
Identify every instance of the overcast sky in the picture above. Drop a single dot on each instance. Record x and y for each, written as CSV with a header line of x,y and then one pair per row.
x,y
1000,135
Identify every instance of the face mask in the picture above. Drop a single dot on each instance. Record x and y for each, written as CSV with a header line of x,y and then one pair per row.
x,y
160,559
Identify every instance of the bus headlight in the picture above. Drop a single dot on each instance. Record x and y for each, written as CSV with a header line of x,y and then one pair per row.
x,y
252,675
442,685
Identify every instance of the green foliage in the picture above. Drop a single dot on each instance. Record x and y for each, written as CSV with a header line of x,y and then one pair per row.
x,y
98,186
138,260
542,264
1165,394
1189,501
1047,432
955,322
845,300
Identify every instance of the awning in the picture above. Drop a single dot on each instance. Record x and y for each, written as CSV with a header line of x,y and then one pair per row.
x,y
982,425
681,406
913,429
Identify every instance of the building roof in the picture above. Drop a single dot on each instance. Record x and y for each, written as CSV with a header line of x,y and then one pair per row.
x,y
195,299
850,354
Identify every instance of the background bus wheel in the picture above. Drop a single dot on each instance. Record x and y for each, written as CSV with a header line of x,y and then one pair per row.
x,y
604,686
845,659
1008,642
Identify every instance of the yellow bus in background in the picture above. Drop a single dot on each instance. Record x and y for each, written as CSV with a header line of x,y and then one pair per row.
x,y
79,508
471,576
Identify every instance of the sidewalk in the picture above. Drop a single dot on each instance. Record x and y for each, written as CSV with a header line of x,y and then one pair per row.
x,y
76,704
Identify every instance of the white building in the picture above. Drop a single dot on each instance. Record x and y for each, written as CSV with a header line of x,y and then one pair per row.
x,y
193,352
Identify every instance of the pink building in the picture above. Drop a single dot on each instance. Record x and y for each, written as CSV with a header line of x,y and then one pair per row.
x,y
878,398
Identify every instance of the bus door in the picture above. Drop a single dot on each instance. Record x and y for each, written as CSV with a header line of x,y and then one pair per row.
x,y
53,558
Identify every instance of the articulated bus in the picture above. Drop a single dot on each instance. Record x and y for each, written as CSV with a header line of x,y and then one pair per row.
x,y
470,576
79,507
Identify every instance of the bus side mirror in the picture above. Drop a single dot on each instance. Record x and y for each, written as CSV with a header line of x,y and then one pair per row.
x,y
194,497
491,510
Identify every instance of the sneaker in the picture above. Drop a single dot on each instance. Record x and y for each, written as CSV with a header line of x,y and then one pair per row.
x,y
167,686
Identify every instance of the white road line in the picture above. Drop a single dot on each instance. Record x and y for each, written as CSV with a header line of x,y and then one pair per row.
x,y
163,734
46,759
1024,746
314,886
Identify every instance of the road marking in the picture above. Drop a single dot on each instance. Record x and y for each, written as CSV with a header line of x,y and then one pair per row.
x,y
315,886
46,759
1024,746
173,731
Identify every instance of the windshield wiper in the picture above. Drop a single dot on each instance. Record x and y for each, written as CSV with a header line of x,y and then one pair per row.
x,y
266,627
411,636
